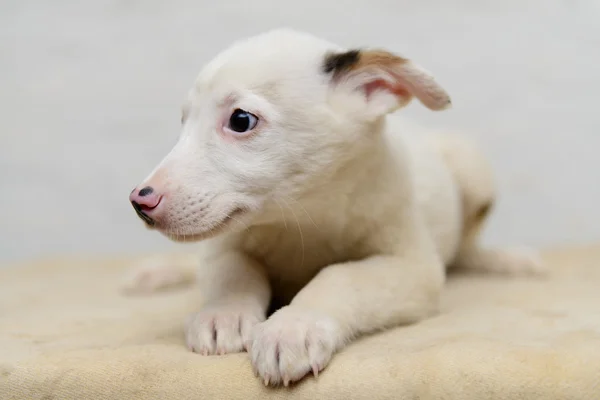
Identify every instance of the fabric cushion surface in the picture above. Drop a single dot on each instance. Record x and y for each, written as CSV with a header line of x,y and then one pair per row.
x,y
66,332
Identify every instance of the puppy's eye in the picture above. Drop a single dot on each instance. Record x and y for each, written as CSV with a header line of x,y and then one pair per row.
x,y
242,121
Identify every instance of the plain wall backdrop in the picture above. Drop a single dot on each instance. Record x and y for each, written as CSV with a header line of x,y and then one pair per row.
x,y
90,96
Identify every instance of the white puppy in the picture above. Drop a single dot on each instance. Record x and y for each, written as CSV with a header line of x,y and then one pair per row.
x,y
317,202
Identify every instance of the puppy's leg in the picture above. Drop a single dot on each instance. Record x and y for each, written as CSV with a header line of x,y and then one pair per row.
x,y
237,294
472,256
474,178
510,262
160,272
340,303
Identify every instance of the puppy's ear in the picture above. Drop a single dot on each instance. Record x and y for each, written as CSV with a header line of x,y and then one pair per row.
x,y
387,81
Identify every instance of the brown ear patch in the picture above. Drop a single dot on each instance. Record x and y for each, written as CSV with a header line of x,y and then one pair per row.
x,y
338,63
406,79
381,59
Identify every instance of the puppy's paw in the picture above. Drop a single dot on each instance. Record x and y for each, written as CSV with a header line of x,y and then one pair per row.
x,y
523,262
220,329
155,274
291,344
513,262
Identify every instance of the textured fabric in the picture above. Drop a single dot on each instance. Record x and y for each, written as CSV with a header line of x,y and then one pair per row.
x,y
67,333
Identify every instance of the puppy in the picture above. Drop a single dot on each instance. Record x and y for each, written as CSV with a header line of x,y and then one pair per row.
x,y
315,201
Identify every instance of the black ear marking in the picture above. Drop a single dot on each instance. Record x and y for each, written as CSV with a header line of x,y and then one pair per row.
x,y
337,63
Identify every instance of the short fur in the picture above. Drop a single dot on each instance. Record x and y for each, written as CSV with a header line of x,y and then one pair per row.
x,y
333,208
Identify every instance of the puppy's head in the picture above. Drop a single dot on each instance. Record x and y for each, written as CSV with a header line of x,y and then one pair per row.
x,y
270,119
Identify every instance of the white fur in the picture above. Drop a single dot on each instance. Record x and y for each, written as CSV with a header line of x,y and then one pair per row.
x,y
348,214
160,272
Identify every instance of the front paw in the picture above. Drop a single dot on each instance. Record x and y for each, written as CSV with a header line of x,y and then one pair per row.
x,y
291,344
221,329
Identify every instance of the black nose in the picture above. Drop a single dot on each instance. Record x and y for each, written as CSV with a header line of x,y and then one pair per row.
x,y
141,214
146,191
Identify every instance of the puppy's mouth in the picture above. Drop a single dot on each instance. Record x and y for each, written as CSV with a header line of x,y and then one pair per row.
x,y
213,231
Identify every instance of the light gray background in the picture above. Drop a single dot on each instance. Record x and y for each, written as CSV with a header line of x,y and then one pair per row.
x,y
90,95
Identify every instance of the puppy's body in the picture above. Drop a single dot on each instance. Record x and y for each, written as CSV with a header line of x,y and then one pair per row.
x,y
342,215
358,213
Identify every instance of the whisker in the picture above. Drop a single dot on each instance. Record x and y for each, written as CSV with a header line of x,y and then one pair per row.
x,y
299,230
305,211
246,227
282,214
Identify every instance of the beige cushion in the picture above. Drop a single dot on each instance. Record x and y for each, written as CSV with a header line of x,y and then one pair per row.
x,y
67,333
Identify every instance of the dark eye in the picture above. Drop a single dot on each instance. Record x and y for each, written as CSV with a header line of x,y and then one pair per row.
x,y
242,121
